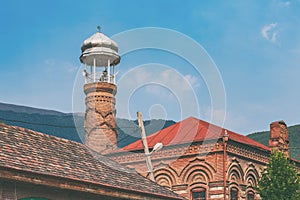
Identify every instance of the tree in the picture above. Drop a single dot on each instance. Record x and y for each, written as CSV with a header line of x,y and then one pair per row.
x,y
279,181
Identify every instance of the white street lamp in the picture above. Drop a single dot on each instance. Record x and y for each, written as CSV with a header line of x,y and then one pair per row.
x,y
158,146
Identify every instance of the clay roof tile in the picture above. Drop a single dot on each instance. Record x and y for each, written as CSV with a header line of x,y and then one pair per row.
x,y
30,151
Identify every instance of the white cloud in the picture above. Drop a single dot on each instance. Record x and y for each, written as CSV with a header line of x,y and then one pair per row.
x,y
158,91
171,80
163,83
270,32
71,68
53,65
274,37
296,50
214,115
49,62
285,4
194,81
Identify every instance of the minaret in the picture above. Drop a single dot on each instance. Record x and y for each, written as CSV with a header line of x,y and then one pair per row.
x,y
100,55
279,138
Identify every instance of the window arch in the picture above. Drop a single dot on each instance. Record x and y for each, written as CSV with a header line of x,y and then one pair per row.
x,y
164,180
165,177
250,195
199,193
235,173
251,176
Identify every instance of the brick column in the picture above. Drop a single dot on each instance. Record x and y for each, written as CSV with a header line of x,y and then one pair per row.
x,y
100,117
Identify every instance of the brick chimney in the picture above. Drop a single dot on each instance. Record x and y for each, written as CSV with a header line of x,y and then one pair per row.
x,y
279,139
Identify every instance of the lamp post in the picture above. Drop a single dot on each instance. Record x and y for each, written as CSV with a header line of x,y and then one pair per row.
x,y
156,147
148,154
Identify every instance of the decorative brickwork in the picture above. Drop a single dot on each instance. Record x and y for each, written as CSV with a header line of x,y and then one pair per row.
x,y
184,169
100,120
218,168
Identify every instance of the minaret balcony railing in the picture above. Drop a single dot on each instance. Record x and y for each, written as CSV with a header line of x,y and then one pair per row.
x,y
99,77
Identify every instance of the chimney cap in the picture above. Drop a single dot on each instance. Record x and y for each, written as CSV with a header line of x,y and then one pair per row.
x,y
279,122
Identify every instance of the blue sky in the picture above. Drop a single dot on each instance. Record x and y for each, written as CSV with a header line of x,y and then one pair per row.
x,y
255,45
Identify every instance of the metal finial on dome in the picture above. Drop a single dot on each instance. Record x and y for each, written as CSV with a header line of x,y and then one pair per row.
x,y
99,28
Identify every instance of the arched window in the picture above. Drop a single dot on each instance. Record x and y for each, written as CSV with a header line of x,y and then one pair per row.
x,y
250,195
234,193
199,194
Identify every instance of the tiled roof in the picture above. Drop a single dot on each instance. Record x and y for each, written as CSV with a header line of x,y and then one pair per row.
x,y
191,130
30,151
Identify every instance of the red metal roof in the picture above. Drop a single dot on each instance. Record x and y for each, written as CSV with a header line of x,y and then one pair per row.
x,y
191,130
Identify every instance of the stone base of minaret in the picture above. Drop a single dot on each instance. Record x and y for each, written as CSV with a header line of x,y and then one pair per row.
x,y
100,117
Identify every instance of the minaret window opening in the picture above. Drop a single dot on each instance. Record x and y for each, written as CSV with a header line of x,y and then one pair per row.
x,y
94,74
104,77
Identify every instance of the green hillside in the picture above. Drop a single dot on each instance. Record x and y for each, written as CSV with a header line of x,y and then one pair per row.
x,y
294,137
57,125
63,125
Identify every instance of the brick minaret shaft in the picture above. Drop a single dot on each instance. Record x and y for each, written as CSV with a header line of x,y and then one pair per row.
x,y
279,139
100,120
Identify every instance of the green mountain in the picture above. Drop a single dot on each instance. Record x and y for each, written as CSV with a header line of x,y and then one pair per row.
x,y
294,138
58,125
28,110
70,126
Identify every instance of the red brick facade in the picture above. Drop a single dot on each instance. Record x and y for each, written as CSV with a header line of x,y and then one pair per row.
x,y
184,169
221,167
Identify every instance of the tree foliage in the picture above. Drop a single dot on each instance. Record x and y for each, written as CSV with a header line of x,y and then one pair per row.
x,y
279,181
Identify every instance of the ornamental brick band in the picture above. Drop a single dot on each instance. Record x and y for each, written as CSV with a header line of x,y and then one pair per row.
x,y
100,120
